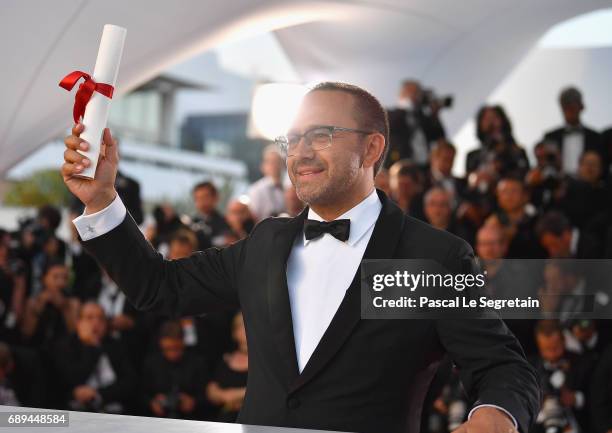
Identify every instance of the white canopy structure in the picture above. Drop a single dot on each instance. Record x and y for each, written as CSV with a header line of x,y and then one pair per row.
x,y
466,46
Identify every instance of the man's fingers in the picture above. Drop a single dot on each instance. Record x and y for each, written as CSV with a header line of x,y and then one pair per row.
x,y
72,156
77,129
69,169
110,147
107,138
73,142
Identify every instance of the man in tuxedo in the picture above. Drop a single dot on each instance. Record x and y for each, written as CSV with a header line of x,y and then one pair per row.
x,y
313,362
574,138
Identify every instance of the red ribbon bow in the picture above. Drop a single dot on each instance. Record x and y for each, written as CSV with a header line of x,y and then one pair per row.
x,y
86,89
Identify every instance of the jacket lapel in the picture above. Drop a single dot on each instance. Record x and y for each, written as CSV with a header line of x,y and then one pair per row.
x,y
278,294
382,245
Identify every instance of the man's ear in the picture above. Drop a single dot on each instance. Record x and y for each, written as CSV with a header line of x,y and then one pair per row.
x,y
375,146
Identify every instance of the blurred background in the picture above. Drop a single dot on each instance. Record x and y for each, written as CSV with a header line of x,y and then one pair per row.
x,y
500,133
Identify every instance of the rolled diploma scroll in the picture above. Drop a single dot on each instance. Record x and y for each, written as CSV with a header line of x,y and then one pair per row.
x,y
96,112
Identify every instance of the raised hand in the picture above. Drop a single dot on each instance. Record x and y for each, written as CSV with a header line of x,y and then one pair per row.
x,y
97,193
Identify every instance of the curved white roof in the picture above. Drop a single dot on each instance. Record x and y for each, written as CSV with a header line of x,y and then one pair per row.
x,y
466,46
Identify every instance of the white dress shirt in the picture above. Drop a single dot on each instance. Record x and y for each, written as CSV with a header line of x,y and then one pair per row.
x,y
319,271
573,145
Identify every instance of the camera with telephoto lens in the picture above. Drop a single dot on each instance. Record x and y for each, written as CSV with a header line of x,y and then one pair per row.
x,y
431,99
553,417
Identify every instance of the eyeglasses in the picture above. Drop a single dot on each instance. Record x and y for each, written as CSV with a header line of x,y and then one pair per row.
x,y
318,138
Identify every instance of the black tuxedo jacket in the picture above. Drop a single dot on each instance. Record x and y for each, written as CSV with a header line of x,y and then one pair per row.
x,y
592,141
365,375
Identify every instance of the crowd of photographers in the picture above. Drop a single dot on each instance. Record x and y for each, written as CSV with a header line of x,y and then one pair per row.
x,y
69,339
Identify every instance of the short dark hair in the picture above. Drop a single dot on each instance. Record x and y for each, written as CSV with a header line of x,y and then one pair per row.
x,y
570,95
171,329
51,214
185,236
369,112
52,263
552,222
513,177
406,168
442,145
206,184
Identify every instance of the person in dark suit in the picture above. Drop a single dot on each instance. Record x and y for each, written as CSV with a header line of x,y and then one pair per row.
x,y
574,138
439,172
564,378
94,370
173,379
313,362
585,198
560,240
208,224
411,130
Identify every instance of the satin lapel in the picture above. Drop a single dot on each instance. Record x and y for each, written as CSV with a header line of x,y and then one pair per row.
x,y
382,245
278,295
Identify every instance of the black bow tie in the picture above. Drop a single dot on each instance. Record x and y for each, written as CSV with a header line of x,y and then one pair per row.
x,y
339,229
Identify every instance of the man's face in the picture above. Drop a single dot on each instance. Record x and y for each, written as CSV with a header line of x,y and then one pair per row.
x,y
272,165
589,169
490,122
443,161
510,195
571,113
490,243
324,176
404,187
413,92
557,246
56,279
92,322
438,208
172,348
550,346
204,200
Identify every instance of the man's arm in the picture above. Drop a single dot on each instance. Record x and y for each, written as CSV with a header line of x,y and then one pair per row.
x,y
491,362
203,282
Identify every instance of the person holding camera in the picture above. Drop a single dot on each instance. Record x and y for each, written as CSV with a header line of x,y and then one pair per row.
x,y
414,125
94,370
173,379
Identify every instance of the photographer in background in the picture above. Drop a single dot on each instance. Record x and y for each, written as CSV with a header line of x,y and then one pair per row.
x,y
12,295
173,379
497,144
38,244
95,371
564,380
546,179
415,124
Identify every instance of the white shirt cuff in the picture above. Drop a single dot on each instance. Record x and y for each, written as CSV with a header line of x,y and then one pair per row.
x,y
101,222
475,408
579,396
